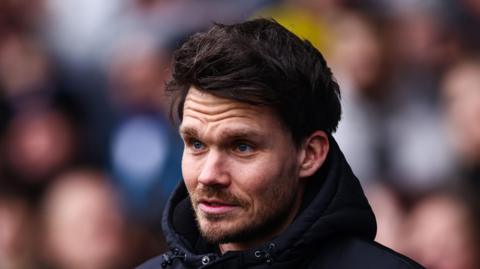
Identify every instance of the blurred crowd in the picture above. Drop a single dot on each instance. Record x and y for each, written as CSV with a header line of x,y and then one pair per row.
x,y
88,157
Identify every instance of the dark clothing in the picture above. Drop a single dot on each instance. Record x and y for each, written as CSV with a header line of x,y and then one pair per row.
x,y
334,228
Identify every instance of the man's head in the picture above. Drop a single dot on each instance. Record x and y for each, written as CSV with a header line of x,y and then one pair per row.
x,y
256,105
260,62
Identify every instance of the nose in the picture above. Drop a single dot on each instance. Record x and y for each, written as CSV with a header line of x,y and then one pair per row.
x,y
214,170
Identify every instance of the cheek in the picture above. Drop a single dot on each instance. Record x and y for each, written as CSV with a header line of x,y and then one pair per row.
x,y
259,180
189,168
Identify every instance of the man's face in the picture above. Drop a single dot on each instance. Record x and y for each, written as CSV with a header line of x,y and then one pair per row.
x,y
240,166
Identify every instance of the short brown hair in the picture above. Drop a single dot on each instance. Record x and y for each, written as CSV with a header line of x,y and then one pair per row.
x,y
262,63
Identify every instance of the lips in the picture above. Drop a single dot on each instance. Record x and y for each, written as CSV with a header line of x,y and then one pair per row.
x,y
213,206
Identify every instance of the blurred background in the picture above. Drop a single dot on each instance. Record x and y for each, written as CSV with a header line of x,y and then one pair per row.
x,y
88,157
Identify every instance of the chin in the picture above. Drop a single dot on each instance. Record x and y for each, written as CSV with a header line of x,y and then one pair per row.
x,y
220,231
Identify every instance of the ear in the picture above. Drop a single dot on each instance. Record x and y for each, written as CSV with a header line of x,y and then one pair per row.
x,y
314,152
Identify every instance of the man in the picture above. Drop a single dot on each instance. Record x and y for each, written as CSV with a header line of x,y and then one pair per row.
x,y
265,184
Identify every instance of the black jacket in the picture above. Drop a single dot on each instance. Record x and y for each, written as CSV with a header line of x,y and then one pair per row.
x,y
334,229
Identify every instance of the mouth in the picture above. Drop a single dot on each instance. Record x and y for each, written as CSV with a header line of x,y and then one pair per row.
x,y
214,207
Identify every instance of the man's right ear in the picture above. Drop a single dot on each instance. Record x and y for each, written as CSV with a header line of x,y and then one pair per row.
x,y
315,149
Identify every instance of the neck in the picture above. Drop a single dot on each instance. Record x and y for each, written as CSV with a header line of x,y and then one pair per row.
x,y
235,246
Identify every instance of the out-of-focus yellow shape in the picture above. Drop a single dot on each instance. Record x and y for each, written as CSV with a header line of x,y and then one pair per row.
x,y
301,22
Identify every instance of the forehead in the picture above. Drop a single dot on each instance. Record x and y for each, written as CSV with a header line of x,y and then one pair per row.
x,y
204,110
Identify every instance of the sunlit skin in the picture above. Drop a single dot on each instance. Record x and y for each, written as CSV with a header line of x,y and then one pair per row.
x,y
242,170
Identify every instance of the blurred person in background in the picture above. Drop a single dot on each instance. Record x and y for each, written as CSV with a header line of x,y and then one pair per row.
x,y
372,121
41,127
17,220
421,44
82,222
443,230
390,66
145,151
461,99
39,142
358,59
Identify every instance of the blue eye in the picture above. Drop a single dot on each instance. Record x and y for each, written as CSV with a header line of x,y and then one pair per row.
x,y
196,144
242,147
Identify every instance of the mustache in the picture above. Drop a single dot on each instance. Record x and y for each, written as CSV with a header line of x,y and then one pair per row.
x,y
219,193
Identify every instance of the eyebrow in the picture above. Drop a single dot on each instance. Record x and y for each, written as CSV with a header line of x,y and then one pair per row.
x,y
229,133
188,131
238,134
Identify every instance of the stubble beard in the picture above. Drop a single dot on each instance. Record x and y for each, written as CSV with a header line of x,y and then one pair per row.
x,y
274,211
